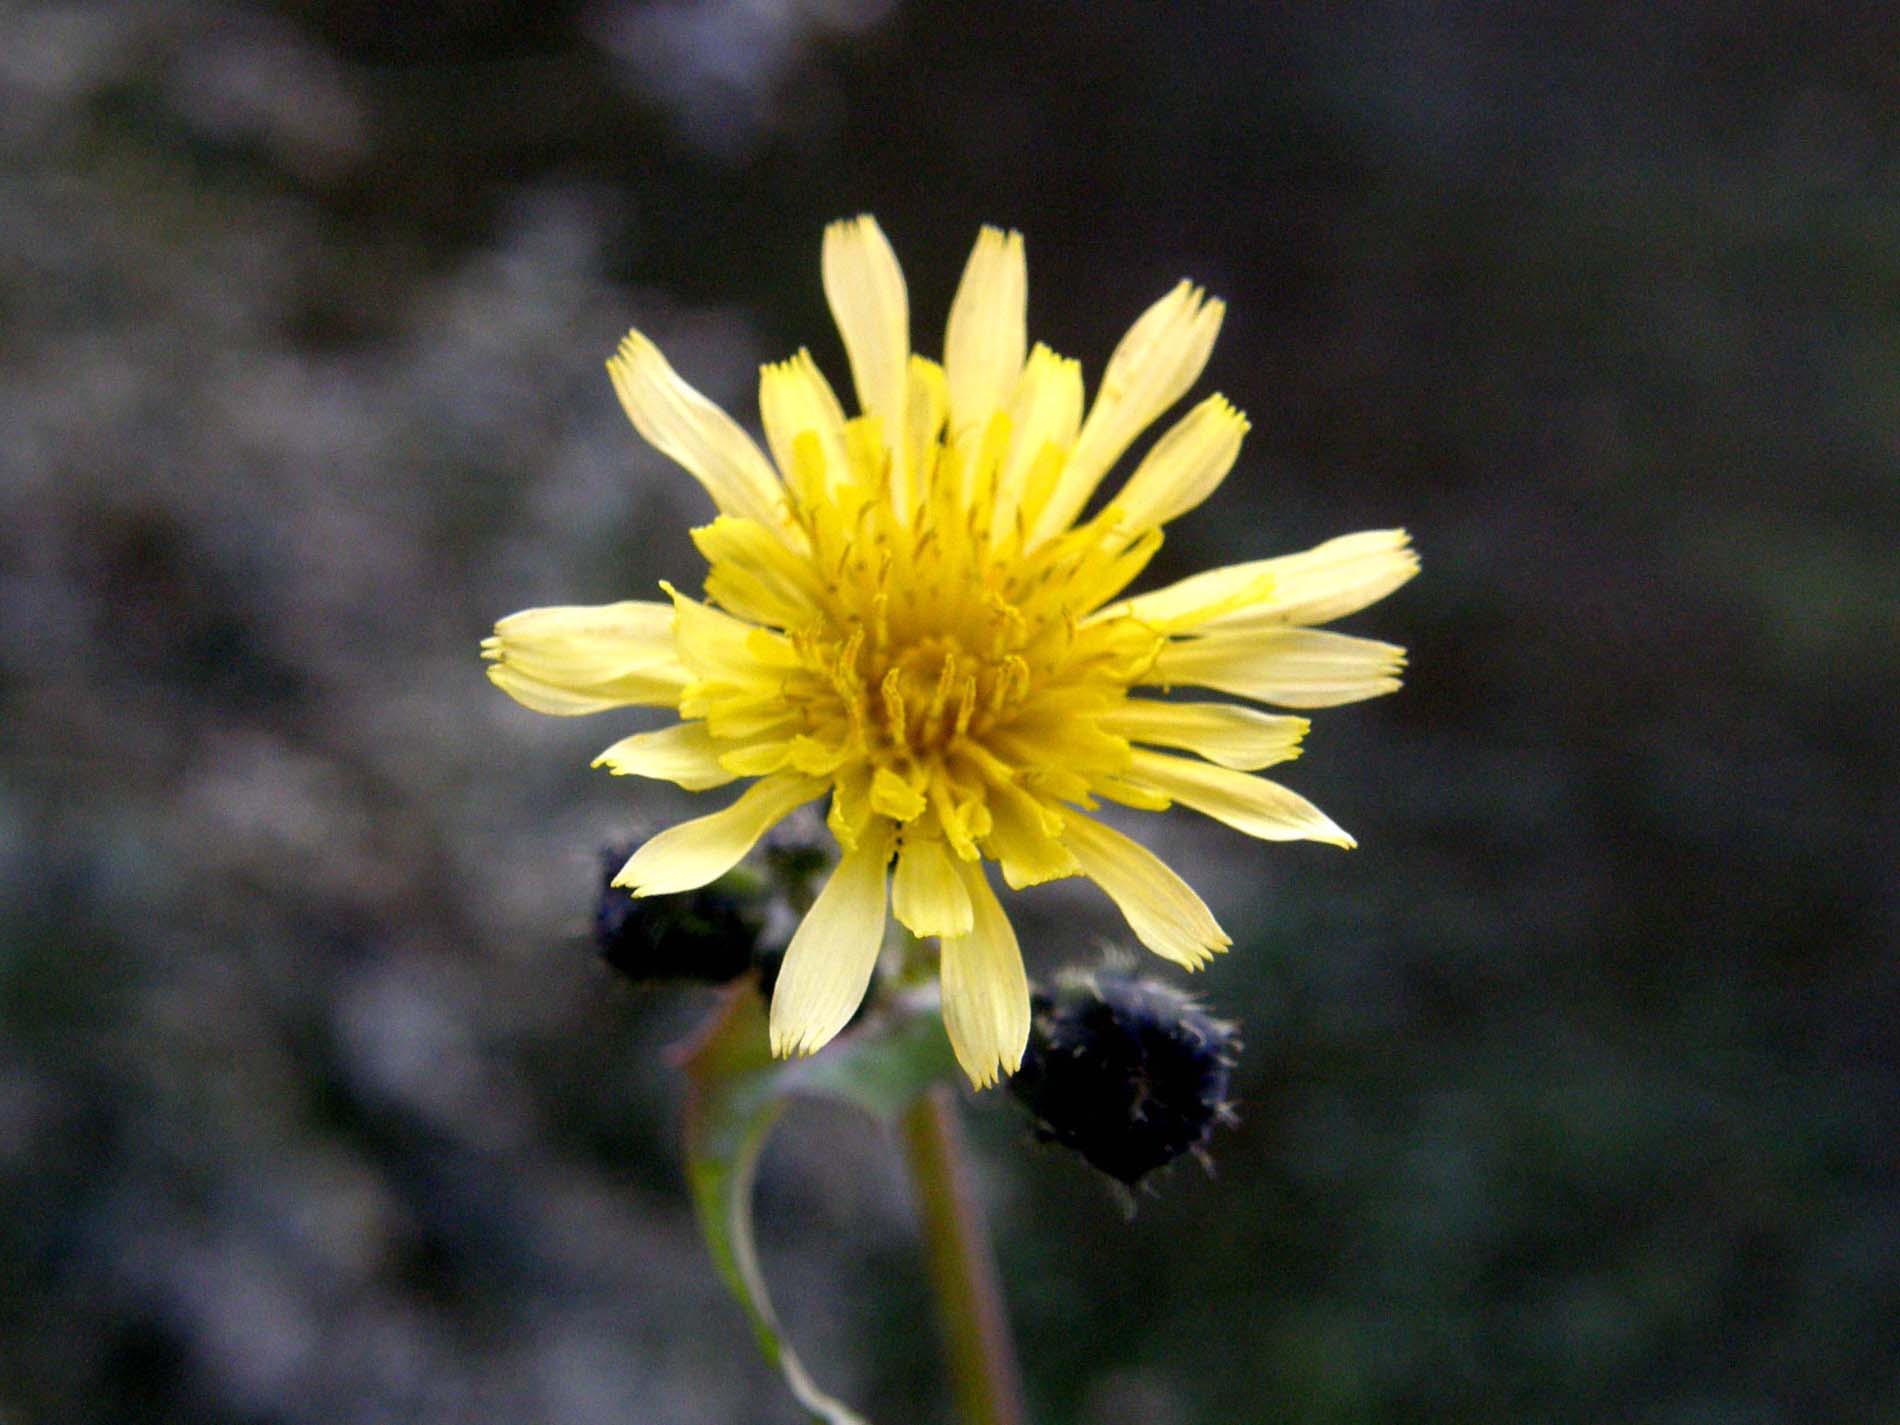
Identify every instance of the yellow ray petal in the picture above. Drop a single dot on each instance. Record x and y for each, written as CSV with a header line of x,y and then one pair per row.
x,y
929,408
1316,585
1162,355
543,697
986,336
755,576
1161,909
865,288
687,856
679,422
1184,468
585,643
1242,738
892,796
718,646
1187,604
576,659
1045,412
850,815
795,399
737,714
684,753
1250,804
819,757
985,992
1331,580
1294,667
828,965
927,893
758,759
1024,838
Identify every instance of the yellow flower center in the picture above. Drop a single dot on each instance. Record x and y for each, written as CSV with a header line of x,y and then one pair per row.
x,y
940,661
940,640
931,692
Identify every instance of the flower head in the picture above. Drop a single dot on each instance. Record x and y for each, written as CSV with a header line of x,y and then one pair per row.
x,y
907,612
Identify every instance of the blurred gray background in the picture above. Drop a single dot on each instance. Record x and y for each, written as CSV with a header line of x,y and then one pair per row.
x,y
1572,1096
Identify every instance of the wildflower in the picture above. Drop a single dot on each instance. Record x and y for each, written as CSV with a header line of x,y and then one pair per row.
x,y
906,611
1129,1073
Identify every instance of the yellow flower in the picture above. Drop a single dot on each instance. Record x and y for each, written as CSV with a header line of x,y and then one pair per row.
x,y
906,611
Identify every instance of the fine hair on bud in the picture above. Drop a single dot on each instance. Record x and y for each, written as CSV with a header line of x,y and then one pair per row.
x,y
708,936
1127,1071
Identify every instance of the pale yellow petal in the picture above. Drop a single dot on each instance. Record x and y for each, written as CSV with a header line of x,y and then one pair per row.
x,y
1024,838
736,714
865,288
1045,412
585,643
1162,355
679,422
1189,603
833,952
850,814
983,344
687,856
759,758
684,753
1245,739
1250,804
1317,585
576,659
819,757
1128,793
927,893
1331,580
892,796
929,409
1184,468
985,992
754,575
961,821
1161,909
543,697
714,645
794,400
1294,667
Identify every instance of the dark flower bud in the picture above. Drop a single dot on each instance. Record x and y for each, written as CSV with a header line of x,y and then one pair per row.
x,y
709,935
798,854
1128,1072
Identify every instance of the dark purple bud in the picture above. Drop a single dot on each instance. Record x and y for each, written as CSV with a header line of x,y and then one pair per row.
x,y
1128,1072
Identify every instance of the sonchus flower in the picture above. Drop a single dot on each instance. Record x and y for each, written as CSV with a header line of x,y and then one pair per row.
x,y
907,612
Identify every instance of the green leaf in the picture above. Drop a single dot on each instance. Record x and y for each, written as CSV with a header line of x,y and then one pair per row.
x,y
736,1091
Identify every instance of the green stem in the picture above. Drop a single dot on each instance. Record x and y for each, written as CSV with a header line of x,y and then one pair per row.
x,y
963,1276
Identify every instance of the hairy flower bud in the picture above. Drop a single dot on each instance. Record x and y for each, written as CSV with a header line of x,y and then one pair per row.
x,y
1128,1072
708,935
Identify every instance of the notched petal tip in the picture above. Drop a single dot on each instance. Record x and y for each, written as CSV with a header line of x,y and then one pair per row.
x,y
991,1077
625,878
855,226
786,1046
635,345
1224,410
